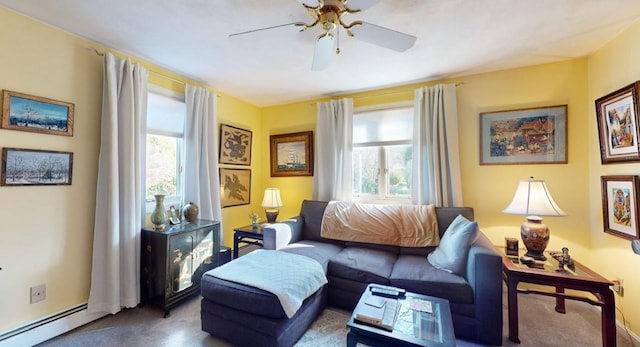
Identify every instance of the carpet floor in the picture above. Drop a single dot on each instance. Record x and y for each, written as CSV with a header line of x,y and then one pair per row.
x,y
540,326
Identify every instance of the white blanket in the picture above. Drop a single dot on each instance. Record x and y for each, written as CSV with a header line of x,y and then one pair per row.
x,y
290,277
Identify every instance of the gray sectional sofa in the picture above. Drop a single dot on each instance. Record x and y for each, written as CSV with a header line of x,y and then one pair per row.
x,y
475,296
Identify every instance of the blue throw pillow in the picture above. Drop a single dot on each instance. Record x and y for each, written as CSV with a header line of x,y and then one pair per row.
x,y
451,253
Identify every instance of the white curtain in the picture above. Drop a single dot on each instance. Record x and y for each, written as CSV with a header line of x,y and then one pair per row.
x,y
436,160
334,143
115,274
201,176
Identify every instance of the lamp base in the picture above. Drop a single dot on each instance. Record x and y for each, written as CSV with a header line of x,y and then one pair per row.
x,y
535,237
271,215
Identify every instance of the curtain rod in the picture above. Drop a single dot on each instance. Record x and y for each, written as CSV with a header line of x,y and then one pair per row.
x,y
150,71
385,94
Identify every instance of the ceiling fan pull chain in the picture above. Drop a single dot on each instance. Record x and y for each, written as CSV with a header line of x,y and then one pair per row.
x,y
337,40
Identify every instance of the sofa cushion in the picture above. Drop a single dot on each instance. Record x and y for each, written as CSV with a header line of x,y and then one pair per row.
x,y
451,253
322,252
362,264
415,274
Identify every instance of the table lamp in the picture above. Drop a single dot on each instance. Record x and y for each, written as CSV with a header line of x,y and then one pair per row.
x,y
532,198
270,202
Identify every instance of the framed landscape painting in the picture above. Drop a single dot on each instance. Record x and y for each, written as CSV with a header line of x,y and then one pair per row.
x,y
292,154
235,145
235,187
36,114
29,167
524,136
617,115
620,206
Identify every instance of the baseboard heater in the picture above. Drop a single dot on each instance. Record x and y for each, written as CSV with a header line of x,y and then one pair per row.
x,y
49,327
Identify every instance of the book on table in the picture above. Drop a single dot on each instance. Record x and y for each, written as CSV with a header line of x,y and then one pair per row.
x,y
378,312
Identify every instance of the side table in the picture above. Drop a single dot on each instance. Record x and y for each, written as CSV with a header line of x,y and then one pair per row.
x,y
578,277
247,235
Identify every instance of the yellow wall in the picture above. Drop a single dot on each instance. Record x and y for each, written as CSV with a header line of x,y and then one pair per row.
x,y
612,67
47,232
53,245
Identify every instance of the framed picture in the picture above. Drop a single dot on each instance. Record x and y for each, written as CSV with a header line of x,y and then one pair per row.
x,y
617,115
235,145
33,113
292,154
235,187
524,136
29,167
620,206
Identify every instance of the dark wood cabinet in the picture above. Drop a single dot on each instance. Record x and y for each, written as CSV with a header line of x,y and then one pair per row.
x,y
174,260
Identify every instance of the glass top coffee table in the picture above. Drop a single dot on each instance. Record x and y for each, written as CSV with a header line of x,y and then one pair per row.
x,y
413,327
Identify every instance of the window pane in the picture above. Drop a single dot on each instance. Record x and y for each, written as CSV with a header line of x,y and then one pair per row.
x,y
366,168
399,160
162,166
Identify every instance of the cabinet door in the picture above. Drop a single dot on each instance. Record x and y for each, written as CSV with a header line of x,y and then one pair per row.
x,y
182,263
204,252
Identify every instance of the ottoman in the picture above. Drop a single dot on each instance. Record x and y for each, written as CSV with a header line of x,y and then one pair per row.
x,y
245,315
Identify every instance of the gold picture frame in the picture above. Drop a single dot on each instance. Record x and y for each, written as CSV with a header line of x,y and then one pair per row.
x,y
292,154
25,112
235,145
235,187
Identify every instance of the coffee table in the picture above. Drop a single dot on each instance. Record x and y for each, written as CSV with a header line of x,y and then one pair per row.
x,y
412,328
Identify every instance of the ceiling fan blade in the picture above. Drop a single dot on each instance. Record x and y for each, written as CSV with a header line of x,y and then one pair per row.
x,y
322,53
267,28
383,37
361,4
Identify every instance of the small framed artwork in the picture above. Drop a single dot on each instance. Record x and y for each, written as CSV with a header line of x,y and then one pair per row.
x,y
292,154
524,136
235,145
235,187
617,120
29,167
36,114
511,246
620,206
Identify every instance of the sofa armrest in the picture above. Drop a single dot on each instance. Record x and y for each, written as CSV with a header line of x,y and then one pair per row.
x,y
484,274
280,234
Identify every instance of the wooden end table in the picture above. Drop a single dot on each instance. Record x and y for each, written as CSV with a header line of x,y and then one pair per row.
x,y
412,328
578,277
247,235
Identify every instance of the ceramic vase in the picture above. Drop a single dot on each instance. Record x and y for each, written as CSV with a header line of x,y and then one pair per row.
x,y
159,215
190,212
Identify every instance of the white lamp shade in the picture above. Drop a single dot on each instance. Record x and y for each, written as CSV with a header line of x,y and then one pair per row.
x,y
533,198
271,198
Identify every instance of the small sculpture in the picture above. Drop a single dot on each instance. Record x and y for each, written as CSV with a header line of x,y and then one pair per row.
x,y
563,259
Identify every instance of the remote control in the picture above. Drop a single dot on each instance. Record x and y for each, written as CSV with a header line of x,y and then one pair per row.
x,y
389,292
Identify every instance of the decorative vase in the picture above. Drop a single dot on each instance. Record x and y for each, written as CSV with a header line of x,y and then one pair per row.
x,y
190,212
159,215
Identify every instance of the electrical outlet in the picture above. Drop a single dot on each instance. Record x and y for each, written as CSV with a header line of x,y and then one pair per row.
x,y
38,293
618,286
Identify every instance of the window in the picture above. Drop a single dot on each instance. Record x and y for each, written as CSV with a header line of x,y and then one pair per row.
x,y
165,131
382,154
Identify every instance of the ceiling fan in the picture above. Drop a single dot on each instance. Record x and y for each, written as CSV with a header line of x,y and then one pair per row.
x,y
328,14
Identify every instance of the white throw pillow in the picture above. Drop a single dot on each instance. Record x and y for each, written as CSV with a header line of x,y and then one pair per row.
x,y
451,253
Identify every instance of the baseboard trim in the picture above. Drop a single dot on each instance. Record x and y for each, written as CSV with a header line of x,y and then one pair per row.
x,y
624,330
47,328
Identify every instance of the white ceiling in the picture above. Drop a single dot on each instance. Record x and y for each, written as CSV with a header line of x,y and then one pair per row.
x,y
455,38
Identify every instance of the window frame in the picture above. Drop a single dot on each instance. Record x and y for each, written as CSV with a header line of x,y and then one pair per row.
x,y
170,200
383,195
